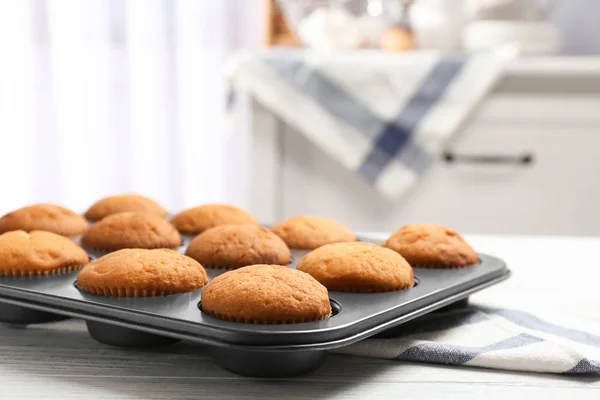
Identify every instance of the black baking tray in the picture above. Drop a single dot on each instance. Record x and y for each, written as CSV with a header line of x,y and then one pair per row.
x,y
247,349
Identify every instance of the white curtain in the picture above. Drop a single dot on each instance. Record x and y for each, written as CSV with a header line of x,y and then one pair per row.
x,y
110,96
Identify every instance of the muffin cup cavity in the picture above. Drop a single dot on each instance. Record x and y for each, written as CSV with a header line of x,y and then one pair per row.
x,y
268,364
119,336
19,315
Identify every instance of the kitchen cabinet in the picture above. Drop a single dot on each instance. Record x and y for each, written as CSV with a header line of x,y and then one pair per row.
x,y
526,162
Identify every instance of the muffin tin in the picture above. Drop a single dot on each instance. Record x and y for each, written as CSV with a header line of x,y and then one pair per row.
x,y
246,349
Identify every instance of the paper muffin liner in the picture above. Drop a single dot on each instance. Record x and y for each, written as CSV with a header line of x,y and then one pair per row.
x,y
445,266
263,322
368,290
124,292
229,267
98,252
58,271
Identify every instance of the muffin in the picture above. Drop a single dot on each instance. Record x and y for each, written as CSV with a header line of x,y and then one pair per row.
x,y
44,217
129,230
38,253
310,232
236,246
266,294
430,245
141,273
123,203
358,267
198,219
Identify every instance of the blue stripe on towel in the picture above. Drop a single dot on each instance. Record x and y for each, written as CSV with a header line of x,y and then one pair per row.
x,y
458,355
391,139
585,366
529,321
395,136
333,98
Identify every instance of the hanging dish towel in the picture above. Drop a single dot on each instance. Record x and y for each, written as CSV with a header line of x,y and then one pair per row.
x,y
383,116
490,338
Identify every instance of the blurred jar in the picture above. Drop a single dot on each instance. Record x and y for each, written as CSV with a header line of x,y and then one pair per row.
x,y
521,23
340,24
438,24
509,10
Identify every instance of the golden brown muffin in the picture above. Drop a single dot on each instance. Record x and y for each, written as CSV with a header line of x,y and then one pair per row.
x,y
123,203
310,232
198,219
358,267
38,253
44,217
430,245
236,246
130,230
266,294
141,273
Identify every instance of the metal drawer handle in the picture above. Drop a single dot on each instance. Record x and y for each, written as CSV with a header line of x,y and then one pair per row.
x,y
523,159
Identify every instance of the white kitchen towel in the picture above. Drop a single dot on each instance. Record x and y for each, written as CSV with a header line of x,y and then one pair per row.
x,y
383,116
490,338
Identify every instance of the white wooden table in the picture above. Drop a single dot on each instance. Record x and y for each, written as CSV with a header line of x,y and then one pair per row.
x,y
550,274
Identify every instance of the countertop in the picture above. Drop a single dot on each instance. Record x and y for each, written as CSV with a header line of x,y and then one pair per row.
x,y
550,275
569,66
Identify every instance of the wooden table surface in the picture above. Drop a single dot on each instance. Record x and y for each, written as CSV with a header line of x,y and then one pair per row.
x,y
550,275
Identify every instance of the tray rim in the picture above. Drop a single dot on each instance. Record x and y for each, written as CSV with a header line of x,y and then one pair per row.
x,y
323,345
265,337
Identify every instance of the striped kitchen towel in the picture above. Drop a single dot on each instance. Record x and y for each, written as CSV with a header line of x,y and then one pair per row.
x,y
490,338
383,116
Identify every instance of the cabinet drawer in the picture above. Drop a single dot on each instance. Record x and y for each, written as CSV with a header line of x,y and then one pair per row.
x,y
557,194
539,109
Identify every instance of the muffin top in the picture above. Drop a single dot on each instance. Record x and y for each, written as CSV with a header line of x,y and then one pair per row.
x,y
358,267
38,253
263,294
122,203
235,246
141,272
201,218
129,230
430,245
44,217
311,232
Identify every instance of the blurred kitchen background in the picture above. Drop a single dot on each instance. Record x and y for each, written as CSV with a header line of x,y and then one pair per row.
x,y
174,99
